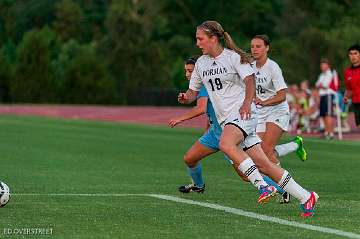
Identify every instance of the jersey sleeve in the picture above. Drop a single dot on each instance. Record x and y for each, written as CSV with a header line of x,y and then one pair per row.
x,y
277,78
195,83
203,93
243,70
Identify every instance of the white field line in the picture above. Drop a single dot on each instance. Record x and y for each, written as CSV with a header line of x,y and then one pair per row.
x,y
235,211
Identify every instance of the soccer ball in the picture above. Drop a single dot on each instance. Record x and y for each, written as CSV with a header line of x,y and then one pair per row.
x,y
4,194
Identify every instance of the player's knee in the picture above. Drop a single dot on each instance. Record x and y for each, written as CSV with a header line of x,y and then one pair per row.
x,y
189,160
225,146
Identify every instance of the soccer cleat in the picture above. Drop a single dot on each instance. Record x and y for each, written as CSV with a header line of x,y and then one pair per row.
x,y
308,208
285,198
266,193
191,188
300,152
329,136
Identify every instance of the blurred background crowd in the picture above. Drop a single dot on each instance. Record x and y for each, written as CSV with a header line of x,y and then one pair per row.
x,y
324,107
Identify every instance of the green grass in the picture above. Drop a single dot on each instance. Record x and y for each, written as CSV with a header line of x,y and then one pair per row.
x,y
42,156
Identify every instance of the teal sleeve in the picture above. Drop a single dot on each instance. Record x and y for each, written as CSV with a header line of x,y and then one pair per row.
x,y
202,92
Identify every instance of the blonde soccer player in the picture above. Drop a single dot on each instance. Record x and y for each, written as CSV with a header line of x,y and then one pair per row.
x,y
208,143
229,80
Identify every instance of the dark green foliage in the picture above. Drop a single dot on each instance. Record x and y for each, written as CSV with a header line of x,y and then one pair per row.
x,y
34,76
6,74
69,19
143,44
86,79
136,53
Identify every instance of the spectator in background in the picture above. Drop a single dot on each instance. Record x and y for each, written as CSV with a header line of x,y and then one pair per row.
x,y
326,97
311,114
352,81
303,101
292,99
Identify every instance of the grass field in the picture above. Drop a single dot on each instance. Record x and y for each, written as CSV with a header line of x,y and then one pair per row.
x,y
43,157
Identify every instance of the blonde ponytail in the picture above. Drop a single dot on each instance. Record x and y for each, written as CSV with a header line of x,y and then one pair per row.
x,y
213,28
229,43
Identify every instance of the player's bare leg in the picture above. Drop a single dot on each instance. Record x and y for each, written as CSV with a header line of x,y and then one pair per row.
x,y
192,158
269,139
231,137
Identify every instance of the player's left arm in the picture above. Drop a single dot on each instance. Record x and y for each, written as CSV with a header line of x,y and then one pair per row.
x,y
245,109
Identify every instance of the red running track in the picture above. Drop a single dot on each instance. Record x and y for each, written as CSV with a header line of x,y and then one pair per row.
x,y
132,114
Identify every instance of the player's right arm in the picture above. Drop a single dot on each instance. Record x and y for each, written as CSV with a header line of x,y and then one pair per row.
x,y
245,109
347,96
348,92
246,72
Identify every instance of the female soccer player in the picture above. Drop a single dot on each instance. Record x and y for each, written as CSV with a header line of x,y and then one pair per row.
x,y
229,80
273,109
208,143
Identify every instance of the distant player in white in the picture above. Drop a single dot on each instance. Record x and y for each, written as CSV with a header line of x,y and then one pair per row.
x,y
273,109
229,80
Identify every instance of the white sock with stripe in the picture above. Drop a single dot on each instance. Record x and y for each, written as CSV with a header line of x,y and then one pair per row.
x,y
248,168
284,149
293,188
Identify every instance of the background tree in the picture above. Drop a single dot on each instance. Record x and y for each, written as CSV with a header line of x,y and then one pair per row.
x,y
86,79
68,20
34,76
139,47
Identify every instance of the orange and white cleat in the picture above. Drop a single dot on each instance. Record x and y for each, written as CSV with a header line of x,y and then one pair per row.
x,y
266,193
308,208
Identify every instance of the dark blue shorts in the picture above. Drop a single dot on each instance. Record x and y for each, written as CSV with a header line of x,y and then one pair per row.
x,y
357,113
327,105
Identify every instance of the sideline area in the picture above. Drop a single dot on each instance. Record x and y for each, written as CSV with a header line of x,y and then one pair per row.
x,y
151,115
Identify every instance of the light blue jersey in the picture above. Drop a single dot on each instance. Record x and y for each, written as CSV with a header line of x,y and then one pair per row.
x,y
212,136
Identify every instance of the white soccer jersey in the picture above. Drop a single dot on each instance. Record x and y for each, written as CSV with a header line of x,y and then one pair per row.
x,y
269,80
222,77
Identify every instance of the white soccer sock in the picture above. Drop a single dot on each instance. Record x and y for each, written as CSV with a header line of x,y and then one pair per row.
x,y
248,168
284,149
293,188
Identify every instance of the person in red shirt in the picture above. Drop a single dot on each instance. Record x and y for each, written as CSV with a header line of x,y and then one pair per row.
x,y
352,81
